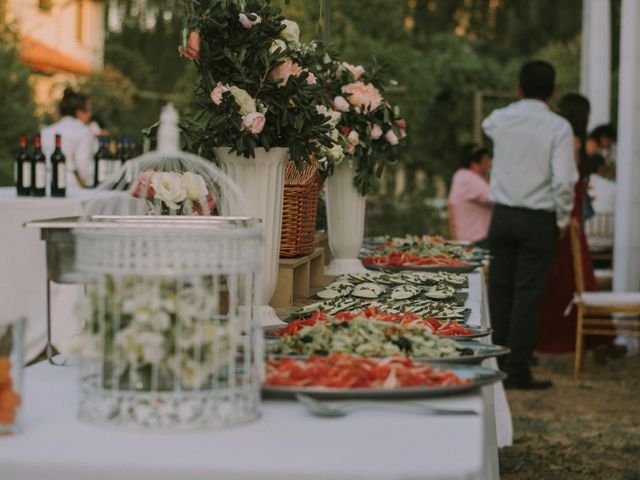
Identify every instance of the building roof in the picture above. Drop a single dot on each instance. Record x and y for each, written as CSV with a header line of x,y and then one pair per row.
x,y
47,59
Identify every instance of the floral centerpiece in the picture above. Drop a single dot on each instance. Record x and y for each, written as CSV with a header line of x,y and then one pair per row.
x,y
175,193
257,99
255,87
366,128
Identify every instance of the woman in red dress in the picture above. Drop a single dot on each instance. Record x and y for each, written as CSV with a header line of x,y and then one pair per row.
x,y
557,333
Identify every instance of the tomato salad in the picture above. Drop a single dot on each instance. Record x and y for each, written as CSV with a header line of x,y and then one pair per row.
x,y
433,325
406,259
341,370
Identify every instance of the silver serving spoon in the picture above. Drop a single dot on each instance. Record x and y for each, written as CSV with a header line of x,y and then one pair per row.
x,y
340,409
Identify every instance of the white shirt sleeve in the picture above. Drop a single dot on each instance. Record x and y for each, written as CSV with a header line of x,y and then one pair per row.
x,y
564,174
488,124
83,158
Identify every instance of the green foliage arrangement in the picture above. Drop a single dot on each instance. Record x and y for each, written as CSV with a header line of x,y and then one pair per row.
x,y
255,87
16,102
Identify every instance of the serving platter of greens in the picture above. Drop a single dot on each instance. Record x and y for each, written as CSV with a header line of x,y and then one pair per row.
x,y
376,339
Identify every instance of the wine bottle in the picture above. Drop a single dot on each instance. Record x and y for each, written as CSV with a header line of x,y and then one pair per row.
x,y
58,171
23,169
38,170
101,162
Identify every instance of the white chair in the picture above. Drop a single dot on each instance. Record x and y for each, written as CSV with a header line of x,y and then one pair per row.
x,y
596,310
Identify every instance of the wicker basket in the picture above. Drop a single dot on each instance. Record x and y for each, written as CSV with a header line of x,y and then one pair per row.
x,y
300,204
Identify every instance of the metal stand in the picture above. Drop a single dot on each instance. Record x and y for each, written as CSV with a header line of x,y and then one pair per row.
x,y
51,352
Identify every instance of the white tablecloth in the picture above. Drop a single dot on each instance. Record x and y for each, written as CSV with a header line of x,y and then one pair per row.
x,y
286,443
23,267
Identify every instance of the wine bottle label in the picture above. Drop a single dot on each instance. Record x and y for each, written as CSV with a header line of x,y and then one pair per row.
x,y
62,175
26,175
41,175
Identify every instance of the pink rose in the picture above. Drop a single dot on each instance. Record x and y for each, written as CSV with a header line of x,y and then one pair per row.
x,y
351,149
311,79
341,104
283,71
391,137
142,188
192,52
376,131
254,122
208,207
217,93
363,96
402,126
356,71
246,22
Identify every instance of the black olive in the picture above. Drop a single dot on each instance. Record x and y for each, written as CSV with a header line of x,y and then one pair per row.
x,y
322,351
466,351
307,339
344,324
403,344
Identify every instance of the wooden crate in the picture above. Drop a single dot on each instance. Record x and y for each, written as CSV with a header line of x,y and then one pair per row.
x,y
322,240
296,277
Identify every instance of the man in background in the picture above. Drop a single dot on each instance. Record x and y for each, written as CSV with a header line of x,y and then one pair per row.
x,y
470,207
532,183
78,141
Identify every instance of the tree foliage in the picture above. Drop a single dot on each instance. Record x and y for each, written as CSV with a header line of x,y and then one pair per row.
x,y
16,103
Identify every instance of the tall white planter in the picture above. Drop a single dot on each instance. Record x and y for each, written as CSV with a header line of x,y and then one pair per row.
x,y
261,179
345,218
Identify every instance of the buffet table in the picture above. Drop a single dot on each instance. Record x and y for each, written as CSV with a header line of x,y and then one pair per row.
x,y
286,443
23,289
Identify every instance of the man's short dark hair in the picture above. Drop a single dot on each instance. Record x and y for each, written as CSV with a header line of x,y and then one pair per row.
x,y
603,131
537,79
72,101
472,153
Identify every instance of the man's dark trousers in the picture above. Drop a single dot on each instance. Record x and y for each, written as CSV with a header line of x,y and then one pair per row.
x,y
523,246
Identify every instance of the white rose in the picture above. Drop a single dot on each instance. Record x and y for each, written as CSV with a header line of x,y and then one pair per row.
x,y
353,138
243,99
277,46
291,32
337,153
168,187
334,134
194,185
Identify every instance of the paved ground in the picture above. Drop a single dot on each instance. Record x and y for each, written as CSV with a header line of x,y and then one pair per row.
x,y
589,429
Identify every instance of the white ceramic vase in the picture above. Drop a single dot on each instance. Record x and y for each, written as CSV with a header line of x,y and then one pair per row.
x,y
261,179
345,217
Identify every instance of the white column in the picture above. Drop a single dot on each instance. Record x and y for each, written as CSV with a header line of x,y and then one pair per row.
x,y
627,221
595,71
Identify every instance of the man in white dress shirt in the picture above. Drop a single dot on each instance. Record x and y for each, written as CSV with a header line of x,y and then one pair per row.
x,y
532,183
78,141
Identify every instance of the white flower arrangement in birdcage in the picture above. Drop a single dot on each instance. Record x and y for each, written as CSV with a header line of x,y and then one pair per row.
x,y
170,338
158,337
173,192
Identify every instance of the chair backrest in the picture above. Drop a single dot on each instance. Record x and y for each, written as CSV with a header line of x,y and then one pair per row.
x,y
452,225
599,229
576,253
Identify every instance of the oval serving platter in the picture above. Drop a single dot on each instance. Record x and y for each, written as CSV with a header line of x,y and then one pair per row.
x,y
475,353
479,376
425,268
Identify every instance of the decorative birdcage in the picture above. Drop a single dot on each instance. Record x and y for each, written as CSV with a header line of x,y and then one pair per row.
x,y
171,338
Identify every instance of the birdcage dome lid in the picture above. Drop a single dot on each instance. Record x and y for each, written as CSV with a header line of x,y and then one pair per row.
x,y
167,182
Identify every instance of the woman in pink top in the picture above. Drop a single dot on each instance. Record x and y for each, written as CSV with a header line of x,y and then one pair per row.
x,y
470,207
